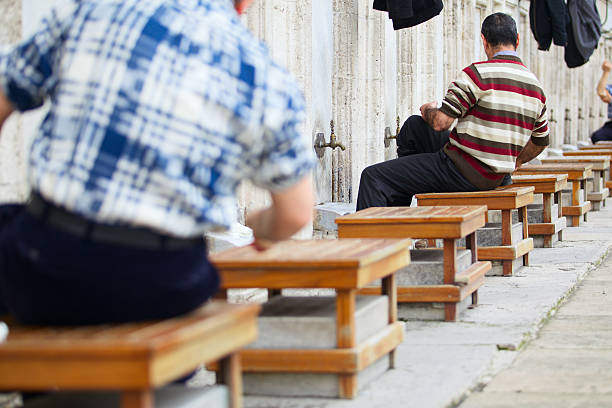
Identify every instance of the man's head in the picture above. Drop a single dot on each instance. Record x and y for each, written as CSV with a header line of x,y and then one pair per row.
x,y
499,33
241,5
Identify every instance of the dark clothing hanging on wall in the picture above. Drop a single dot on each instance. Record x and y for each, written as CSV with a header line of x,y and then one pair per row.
x,y
408,13
583,32
549,20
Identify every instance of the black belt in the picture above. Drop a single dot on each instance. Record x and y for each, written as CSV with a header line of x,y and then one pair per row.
x,y
80,227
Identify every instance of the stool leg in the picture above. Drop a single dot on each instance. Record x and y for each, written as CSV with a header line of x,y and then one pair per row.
x,y
507,239
575,201
389,288
137,399
475,297
547,208
230,374
525,220
345,336
450,270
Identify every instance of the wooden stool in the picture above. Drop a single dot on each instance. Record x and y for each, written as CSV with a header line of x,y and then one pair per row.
x,y
577,174
505,199
133,358
596,152
447,223
550,186
601,166
345,265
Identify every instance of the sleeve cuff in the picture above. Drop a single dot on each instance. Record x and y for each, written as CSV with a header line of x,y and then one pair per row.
x,y
447,110
540,140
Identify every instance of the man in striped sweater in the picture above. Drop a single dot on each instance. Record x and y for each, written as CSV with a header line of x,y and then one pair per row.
x,y
500,110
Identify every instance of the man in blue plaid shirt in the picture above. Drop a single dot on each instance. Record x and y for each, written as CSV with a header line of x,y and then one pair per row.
x,y
158,110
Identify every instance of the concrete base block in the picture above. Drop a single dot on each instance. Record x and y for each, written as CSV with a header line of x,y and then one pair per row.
x,y
237,235
291,322
174,396
596,205
567,197
428,311
306,384
553,152
490,234
560,225
325,215
427,267
498,269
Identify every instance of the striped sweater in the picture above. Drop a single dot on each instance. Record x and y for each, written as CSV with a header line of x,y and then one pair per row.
x,y
500,106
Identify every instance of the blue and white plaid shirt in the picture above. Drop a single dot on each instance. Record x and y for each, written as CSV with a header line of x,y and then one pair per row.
x,y
159,108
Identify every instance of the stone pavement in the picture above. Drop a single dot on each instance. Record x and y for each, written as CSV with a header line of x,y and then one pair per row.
x,y
570,362
440,363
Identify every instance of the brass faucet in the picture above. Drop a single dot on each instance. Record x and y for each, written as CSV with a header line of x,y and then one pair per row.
x,y
388,135
333,143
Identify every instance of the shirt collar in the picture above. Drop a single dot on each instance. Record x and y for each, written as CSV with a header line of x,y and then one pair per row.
x,y
506,52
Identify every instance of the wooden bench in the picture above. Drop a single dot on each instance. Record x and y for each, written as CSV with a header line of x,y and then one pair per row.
x,y
577,174
447,223
345,265
132,358
550,187
505,199
597,152
598,192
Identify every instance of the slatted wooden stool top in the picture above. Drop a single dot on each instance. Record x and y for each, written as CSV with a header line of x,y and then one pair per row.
x,y
597,152
604,143
506,199
133,358
412,222
346,263
574,171
550,186
498,199
543,183
597,146
447,223
600,163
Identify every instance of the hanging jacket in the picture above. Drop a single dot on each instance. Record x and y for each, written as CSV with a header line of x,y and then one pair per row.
x,y
408,13
583,32
548,20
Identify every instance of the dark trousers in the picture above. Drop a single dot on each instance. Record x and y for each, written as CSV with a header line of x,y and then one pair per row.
x,y
604,133
48,276
422,167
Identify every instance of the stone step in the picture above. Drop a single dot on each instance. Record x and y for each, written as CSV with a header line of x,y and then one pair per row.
x,y
534,214
173,396
427,267
428,311
560,225
310,323
490,234
567,197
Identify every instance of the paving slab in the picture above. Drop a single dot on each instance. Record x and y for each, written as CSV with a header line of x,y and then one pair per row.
x,y
440,363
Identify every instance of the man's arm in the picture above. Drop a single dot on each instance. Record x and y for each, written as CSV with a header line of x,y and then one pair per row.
x,y
437,119
5,109
529,152
603,93
290,211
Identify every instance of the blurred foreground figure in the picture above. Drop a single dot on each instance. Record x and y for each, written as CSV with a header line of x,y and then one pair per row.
x,y
158,110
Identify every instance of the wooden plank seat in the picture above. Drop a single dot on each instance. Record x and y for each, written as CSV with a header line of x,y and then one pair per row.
x,y
551,221
447,223
577,174
505,199
597,192
133,358
345,265
596,152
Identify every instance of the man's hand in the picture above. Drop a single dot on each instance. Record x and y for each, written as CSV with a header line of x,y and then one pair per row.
x,y
5,109
606,66
438,120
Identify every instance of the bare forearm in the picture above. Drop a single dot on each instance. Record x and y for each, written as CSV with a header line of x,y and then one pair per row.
x,y
529,152
5,109
603,93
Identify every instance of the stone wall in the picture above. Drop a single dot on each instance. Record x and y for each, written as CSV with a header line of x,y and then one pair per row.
x,y
355,70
